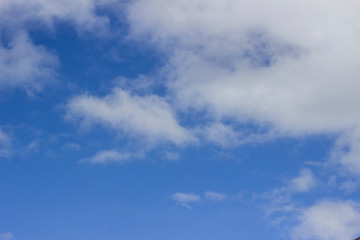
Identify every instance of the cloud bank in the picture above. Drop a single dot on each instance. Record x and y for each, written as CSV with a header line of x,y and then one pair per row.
x,y
291,67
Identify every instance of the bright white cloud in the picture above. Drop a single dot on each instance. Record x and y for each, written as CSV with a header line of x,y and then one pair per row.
x,y
148,117
184,199
26,65
111,156
7,236
215,196
290,66
328,221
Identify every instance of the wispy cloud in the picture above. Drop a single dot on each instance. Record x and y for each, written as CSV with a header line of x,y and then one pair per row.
x,y
5,145
304,182
7,236
215,196
183,199
111,156
26,65
280,200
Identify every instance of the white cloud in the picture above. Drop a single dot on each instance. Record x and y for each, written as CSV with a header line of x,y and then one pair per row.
x,y
148,117
184,199
215,196
7,236
304,182
26,65
5,145
111,156
290,66
328,221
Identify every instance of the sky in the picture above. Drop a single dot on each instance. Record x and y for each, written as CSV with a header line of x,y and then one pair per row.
x,y
179,120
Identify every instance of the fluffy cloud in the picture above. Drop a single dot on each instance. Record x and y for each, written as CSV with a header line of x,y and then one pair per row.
x,y
26,65
111,156
184,199
215,196
289,66
329,221
148,117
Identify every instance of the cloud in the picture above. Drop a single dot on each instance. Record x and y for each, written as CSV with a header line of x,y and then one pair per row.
x,y
20,14
215,196
111,156
26,65
171,156
184,199
5,145
328,220
304,182
280,200
347,151
7,236
290,67
220,134
148,117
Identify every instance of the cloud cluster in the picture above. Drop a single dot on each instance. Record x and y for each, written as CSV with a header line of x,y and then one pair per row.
x,y
289,66
26,65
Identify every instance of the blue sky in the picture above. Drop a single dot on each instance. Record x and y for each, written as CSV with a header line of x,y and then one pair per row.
x,y
154,119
